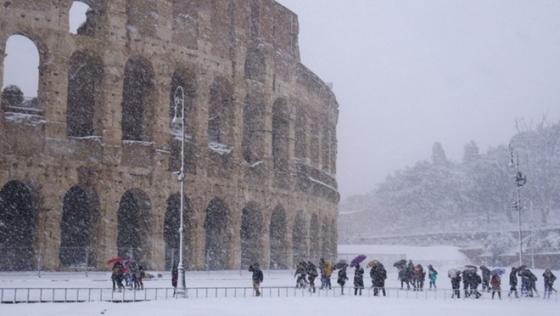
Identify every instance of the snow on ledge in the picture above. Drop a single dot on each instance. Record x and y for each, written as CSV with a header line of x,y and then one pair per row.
x,y
24,118
322,183
92,137
256,164
137,142
219,148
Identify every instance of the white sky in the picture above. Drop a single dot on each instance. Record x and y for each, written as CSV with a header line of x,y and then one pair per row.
x,y
408,73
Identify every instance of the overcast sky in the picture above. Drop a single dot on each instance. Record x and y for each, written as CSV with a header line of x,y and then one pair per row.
x,y
408,73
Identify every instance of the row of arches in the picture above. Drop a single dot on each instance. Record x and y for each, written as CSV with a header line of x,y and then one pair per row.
x,y
81,218
85,93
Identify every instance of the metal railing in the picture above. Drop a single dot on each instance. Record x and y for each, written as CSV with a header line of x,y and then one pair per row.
x,y
76,295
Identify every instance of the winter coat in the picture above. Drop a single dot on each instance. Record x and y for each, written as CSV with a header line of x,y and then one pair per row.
x,y
328,270
258,276
495,282
485,273
433,275
456,282
359,277
513,278
174,277
342,277
312,271
549,278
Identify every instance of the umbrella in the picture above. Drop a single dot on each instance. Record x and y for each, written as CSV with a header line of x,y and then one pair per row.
x,y
399,264
523,267
498,272
373,263
471,267
114,260
453,273
356,261
340,265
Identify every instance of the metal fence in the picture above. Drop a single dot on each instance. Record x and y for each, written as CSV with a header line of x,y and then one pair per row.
x,y
77,295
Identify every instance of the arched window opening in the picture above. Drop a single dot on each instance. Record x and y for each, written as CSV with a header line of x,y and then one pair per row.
x,y
333,238
253,129
300,237
21,76
255,65
278,242
220,115
301,134
138,99
17,226
325,239
218,238
84,86
314,238
314,145
280,135
134,225
82,19
171,231
251,233
77,228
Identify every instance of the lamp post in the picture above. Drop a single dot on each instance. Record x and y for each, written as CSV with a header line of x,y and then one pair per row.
x,y
179,100
520,181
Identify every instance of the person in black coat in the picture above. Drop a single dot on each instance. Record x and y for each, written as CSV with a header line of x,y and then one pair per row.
x,y
513,282
378,276
311,275
342,278
358,280
485,278
174,278
257,277
549,279
456,285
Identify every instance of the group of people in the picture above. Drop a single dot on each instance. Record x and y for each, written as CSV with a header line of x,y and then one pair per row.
x,y
491,282
414,275
128,271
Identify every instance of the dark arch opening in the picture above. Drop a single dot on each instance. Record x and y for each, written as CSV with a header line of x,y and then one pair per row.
x,y
138,96
325,239
300,238
17,226
314,241
278,242
84,84
218,238
253,128
251,236
134,225
220,112
301,134
255,65
171,231
280,135
77,228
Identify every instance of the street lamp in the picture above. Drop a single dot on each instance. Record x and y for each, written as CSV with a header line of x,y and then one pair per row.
x,y
520,181
179,100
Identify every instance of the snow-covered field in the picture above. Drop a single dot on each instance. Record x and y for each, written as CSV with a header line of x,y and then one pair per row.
x,y
284,301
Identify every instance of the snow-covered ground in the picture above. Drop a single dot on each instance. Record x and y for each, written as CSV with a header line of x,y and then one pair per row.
x,y
284,301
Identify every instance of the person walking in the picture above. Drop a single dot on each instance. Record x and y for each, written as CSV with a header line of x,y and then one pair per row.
x,y
174,278
311,275
117,276
342,278
513,282
257,278
358,280
496,285
549,279
456,284
328,273
432,275
485,278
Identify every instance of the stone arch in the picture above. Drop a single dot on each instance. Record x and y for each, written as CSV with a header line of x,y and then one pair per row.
x,y
255,64
326,148
253,128
314,238
325,238
301,133
139,96
221,112
278,239
314,144
84,92
300,237
251,235
333,238
80,213
18,212
171,230
133,237
217,225
83,18
21,74
280,135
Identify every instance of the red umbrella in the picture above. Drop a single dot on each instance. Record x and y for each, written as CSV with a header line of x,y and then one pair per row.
x,y
114,260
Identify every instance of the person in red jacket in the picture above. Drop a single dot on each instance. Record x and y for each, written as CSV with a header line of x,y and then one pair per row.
x,y
496,284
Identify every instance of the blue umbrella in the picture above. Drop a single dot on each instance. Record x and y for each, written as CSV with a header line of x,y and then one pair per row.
x,y
356,261
498,272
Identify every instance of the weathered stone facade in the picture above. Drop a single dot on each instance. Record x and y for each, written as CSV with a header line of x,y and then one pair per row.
x,y
93,167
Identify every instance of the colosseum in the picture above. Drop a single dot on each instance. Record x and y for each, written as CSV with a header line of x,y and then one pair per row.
x,y
88,166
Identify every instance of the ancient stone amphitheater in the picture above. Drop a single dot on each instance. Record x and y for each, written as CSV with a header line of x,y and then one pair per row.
x,y
87,168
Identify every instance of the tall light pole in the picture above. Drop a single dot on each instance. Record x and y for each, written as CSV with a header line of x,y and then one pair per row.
x,y
520,181
179,100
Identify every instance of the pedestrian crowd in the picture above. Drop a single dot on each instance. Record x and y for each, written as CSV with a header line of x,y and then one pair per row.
x,y
128,271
